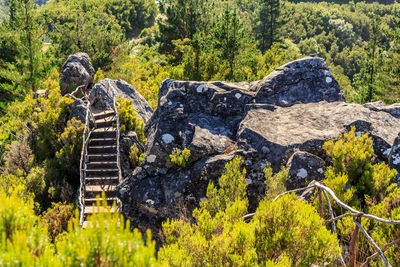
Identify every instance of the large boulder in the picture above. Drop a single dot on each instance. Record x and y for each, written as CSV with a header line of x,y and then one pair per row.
x,y
302,81
102,95
277,133
273,121
76,71
393,109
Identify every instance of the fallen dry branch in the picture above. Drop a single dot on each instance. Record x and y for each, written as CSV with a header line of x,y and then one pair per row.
x,y
376,254
353,213
370,240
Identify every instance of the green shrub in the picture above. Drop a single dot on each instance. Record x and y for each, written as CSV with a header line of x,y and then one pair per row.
x,y
35,181
129,120
23,238
275,182
279,234
291,226
134,158
98,76
180,158
353,175
106,241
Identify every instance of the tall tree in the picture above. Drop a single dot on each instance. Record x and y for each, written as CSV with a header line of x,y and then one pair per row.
x,y
228,34
367,81
181,19
28,67
268,23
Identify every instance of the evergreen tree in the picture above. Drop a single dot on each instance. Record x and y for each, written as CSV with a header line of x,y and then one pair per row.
x,y
228,36
368,81
268,23
26,69
182,19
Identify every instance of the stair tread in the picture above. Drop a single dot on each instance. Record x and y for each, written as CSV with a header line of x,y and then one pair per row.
x,y
105,177
101,199
102,169
102,162
101,146
103,138
105,154
106,119
99,188
94,209
105,129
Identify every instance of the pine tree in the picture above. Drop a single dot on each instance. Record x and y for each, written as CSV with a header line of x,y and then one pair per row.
x,y
367,81
268,23
28,68
228,35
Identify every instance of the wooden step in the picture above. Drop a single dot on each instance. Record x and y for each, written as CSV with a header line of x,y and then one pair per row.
x,y
102,149
102,165
92,191
102,157
103,172
92,201
112,180
102,141
104,114
107,122
94,209
104,132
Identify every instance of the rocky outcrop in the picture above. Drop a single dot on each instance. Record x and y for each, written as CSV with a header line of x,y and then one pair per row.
x,y
102,96
307,80
282,120
76,71
303,168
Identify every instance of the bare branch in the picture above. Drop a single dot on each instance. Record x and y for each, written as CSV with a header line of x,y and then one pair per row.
x,y
372,242
340,203
294,191
376,254
340,217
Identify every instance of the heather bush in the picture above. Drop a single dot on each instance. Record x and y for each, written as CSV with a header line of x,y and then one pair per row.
x,y
57,218
180,158
280,233
129,120
106,241
275,182
134,158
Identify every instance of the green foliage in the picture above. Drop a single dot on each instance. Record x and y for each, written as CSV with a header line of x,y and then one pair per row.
x,y
388,208
82,26
106,242
35,181
25,68
279,233
134,158
180,158
24,239
129,120
290,226
268,23
98,76
353,174
275,182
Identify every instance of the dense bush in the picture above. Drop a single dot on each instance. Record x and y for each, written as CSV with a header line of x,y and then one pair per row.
x,y
25,241
281,230
129,120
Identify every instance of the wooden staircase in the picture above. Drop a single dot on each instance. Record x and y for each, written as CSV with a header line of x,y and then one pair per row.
x,y
100,167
